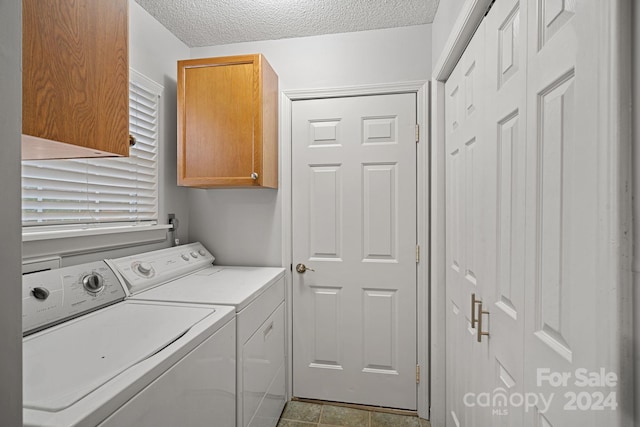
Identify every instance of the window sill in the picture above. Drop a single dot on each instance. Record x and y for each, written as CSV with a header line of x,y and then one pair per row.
x,y
77,241
40,234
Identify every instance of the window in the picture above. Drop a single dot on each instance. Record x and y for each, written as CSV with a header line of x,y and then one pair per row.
x,y
101,192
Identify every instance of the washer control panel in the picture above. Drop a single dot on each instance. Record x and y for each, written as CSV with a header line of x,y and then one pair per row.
x,y
52,296
150,269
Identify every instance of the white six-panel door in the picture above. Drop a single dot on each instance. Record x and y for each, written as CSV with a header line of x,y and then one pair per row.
x,y
466,267
527,222
354,223
569,280
506,132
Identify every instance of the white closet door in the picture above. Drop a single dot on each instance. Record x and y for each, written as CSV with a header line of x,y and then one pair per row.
x,y
505,129
569,277
531,220
466,272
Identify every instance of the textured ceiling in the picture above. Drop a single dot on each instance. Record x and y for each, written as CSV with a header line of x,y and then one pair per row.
x,y
215,22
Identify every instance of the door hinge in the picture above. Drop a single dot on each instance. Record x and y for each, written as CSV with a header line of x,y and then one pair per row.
x,y
417,374
417,254
417,133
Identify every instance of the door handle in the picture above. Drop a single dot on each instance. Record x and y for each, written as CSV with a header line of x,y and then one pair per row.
x,y
301,268
480,313
474,301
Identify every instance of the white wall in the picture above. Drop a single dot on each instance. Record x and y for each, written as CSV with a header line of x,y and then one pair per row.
x,y
636,210
243,226
446,15
10,289
154,52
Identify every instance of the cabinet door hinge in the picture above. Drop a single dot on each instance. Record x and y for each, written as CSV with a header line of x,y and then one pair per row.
x,y
417,254
417,374
417,133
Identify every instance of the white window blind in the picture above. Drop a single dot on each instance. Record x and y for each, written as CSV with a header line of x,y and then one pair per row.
x,y
101,191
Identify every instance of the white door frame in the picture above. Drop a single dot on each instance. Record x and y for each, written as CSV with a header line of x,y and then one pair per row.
x,y
420,88
616,80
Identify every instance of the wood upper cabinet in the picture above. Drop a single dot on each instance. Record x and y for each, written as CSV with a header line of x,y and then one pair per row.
x,y
75,78
227,122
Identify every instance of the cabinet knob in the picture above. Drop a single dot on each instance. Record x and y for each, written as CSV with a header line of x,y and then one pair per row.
x,y
254,176
132,140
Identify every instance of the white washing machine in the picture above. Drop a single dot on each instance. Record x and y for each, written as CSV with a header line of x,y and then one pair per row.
x,y
256,293
90,358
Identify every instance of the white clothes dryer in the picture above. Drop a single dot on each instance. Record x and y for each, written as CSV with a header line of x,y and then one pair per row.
x,y
90,358
256,294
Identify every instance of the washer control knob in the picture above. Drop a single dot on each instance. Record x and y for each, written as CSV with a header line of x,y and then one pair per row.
x,y
185,257
144,268
202,252
93,283
194,255
40,293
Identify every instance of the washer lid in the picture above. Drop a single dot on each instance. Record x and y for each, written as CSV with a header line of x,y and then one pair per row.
x,y
65,363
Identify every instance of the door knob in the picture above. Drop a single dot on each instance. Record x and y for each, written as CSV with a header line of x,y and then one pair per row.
x,y
301,268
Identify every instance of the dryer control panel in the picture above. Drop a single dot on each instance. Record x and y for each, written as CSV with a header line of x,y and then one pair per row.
x,y
53,296
143,271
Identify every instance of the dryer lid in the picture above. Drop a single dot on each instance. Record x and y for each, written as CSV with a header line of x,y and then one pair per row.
x,y
237,286
64,364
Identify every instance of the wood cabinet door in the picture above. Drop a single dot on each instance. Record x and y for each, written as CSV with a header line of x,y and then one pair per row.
x,y
218,112
227,122
75,78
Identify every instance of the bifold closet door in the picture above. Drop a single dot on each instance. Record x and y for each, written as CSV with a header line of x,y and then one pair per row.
x,y
504,218
485,219
466,273
573,314
531,205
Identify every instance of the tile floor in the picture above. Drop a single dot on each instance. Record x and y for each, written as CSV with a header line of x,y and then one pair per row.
x,y
303,414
